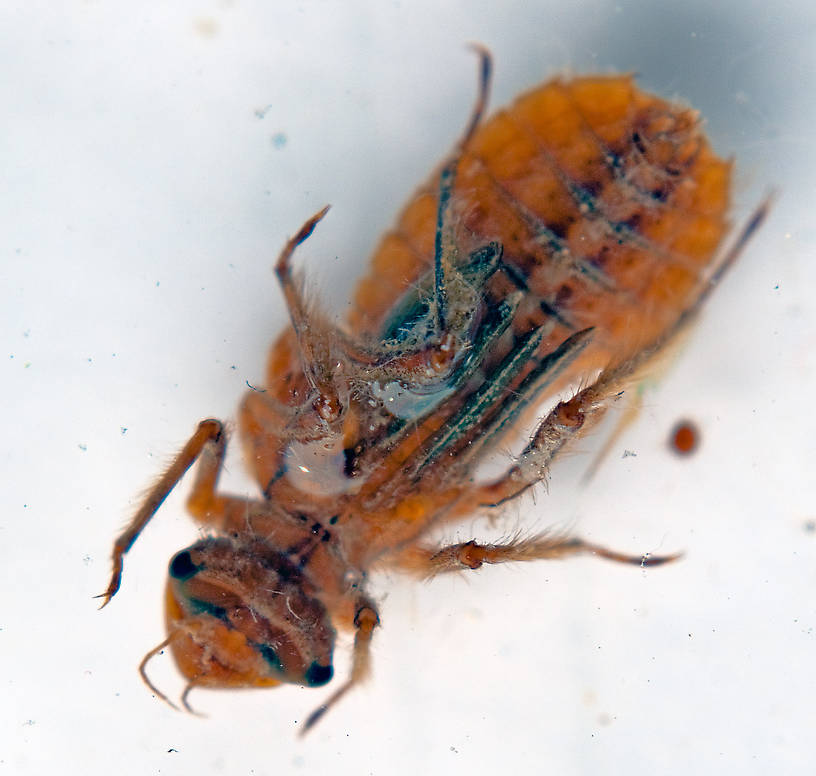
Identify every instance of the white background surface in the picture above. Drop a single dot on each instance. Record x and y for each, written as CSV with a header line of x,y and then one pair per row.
x,y
143,202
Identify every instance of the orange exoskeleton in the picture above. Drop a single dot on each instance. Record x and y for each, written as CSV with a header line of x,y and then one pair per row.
x,y
566,241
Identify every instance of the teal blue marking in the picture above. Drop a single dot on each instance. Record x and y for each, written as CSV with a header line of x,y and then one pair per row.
x,y
480,403
531,387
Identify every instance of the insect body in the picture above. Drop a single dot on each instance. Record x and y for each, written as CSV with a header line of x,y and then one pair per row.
x,y
566,241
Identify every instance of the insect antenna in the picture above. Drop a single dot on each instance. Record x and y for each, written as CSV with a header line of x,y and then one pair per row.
x,y
186,703
143,673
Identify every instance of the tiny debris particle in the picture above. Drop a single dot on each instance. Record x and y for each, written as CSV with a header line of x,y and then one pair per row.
x,y
206,27
685,438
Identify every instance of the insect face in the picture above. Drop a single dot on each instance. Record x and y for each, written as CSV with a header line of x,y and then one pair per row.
x,y
239,614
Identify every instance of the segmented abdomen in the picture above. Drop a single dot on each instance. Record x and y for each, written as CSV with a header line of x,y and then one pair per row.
x,y
608,202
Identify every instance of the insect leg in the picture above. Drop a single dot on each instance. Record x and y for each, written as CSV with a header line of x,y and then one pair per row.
x,y
428,561
444,241
365,620
208,431
565,422
485,77
313,340
484,400
569,419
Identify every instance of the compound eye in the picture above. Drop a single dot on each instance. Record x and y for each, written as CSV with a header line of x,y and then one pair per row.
x,y
182,566
238,615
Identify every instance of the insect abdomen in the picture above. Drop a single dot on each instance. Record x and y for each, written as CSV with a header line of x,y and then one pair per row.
x,y
608,202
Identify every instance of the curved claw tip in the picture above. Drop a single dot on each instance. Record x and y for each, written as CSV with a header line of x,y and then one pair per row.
x,y
307,228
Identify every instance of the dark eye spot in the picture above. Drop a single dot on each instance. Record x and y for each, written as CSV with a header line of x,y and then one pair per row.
x,y
182,566
317,675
